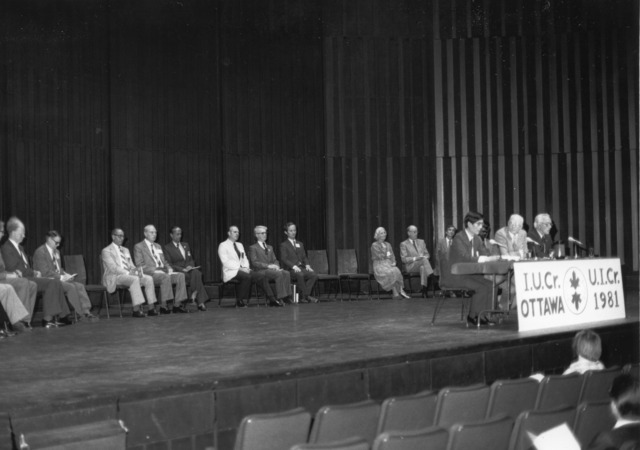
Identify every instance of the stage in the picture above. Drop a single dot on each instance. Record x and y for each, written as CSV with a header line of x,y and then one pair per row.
x,y
189,379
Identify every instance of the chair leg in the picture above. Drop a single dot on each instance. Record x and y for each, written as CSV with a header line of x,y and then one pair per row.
x,y
105,300
120,301
439,303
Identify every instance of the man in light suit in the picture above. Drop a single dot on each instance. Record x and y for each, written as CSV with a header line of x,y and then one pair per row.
x,y
46,260
15,258
444,244
512,239
543,246
26,290
150,256
415,256
294,259
179,257
468,247
235,266
263,259
119,270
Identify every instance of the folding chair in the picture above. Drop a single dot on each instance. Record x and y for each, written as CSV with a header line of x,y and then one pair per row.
x,y
75,264
348,271
320,264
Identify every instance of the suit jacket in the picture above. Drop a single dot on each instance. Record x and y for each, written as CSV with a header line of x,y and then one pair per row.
x,y
174,257
442,251
143,257
261,260
231,263
43,263
291,256
408,252
461,249
615,438
112,267
14,261
545,247
513,246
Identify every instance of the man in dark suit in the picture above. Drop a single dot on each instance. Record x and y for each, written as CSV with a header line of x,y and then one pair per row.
x,y
444,244
47,261
148,254
263,259
468,247
543,245
179,257
15,259
294,259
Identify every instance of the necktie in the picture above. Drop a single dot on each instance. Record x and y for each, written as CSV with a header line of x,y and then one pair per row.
x,y
266,250
125,263
181,248
448,242
235,247
24,257
155,256
414,245
55,262
472,249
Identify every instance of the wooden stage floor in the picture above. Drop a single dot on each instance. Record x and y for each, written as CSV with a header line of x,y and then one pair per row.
x,y
114,356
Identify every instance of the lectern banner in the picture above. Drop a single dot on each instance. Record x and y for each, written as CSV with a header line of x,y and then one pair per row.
x,y
555,293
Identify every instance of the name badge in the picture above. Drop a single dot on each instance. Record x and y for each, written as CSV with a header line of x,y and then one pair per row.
x,y
297,245
388,253
158,250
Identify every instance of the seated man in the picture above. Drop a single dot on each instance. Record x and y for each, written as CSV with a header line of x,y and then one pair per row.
x,y
26,290
150,256
15,258
179,257
235,266
46,260
468,247
13,308
444,244
119,270
294,259
512,241
263,259
542,247
415,256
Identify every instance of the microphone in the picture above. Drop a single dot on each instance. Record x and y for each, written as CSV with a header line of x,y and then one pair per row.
x,y
494,242
575,241
531,241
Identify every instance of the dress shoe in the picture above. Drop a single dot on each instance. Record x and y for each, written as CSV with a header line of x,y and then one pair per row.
x,y
2,335
62,322
286,300
164,310
152,312
311,299
139,314
472,321
404,294
49,324
486,321
91,318
8,332
19,327
202,307
275,302
27,325
180,309
240,304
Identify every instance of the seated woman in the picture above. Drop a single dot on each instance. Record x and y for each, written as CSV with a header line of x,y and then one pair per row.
x,y
587,346
384,265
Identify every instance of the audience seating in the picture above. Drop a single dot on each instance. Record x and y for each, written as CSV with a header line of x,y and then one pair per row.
x,y
320,264
74,264
591,419
432,438
338,422
348,271
275,431
102,435
559,390
596,384
354,443
461,404
536,422
411,412
511,397
488,434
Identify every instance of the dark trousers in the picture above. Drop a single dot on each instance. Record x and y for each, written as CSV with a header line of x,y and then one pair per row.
x,y
304,281
484,289
54,302
194,280
243,290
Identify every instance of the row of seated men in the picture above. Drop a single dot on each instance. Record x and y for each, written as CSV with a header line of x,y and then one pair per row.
x,y
174,265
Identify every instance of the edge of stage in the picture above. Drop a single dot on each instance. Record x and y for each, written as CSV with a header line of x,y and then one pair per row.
x,y
188,379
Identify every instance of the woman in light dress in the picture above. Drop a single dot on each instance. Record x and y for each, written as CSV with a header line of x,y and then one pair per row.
x,y
384,265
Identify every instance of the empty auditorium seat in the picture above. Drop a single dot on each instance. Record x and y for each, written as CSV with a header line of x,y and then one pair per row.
x,y
511,397
596,384
536,422
432,438
591,419
488,434
559,390
461,404
275,431
410,412
354,443
336,422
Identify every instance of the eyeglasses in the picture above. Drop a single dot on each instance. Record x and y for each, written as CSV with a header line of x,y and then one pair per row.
x,y
119,235
263,232
545,224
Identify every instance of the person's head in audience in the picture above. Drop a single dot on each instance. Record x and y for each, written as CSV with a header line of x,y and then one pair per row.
x,y
450,232
117,236
473,222
53,239
176,234
261,233
542,223
16,230
515,223
380,234
233,233
150,233
625,397
412,232
587,344
290,230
